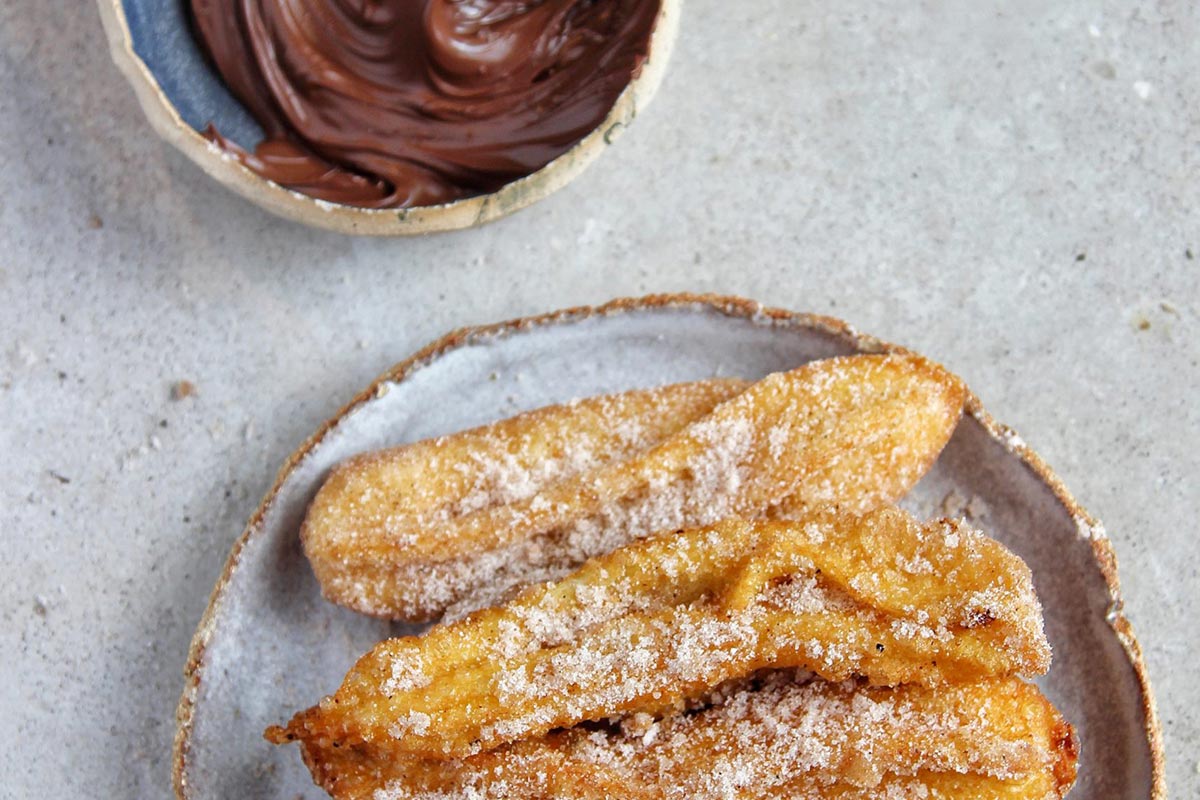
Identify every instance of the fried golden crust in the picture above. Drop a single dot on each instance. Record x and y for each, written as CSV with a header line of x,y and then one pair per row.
x,y
993,739
371,502
663,621
855,430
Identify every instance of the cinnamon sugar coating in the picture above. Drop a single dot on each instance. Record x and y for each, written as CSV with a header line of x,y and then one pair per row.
x,y
663,622
696,591
776,736
459,522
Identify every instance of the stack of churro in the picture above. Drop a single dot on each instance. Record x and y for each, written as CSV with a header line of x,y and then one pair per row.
x,y
696,591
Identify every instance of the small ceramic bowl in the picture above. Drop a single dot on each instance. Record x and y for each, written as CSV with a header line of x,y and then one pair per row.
x,y
153,44
269,645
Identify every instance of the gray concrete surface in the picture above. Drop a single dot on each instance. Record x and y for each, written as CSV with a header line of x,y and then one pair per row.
x,y
1009,187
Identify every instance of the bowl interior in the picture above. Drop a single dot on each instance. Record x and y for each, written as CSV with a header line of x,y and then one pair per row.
x,y
273,646
162,37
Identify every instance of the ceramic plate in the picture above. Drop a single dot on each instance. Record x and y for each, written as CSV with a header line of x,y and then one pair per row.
x,y
269,645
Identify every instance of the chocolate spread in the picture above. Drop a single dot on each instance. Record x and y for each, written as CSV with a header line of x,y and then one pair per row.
x,y
394,103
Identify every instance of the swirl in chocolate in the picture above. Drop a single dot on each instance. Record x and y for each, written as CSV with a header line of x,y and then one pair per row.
x,y
396,103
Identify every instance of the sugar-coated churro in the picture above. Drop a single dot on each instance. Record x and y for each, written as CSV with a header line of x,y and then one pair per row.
x,y
664,621
777,737
420,530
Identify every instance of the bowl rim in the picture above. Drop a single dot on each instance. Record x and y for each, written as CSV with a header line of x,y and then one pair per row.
x,y
466,213
730,306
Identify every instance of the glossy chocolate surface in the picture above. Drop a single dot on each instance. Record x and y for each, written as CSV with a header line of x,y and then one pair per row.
x,y
396,103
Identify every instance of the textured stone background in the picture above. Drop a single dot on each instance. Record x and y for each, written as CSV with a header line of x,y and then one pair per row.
x,y
1011,188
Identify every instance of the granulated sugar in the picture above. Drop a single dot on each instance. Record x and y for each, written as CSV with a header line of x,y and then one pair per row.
x,y
617,637
856,431
781,735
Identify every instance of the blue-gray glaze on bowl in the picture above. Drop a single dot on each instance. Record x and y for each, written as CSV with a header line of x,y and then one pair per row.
x,y
162,37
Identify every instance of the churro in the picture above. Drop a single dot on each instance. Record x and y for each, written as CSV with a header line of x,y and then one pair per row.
x,y
777,737
421,530
664,621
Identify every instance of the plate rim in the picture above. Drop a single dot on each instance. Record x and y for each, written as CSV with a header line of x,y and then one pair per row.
x,y
469,212
726,305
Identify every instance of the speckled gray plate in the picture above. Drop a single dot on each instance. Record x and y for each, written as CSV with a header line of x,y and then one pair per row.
x,y
269,645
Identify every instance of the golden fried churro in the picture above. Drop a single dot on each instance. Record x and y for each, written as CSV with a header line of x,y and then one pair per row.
x,y
665,620
993,739
855,430
372,502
